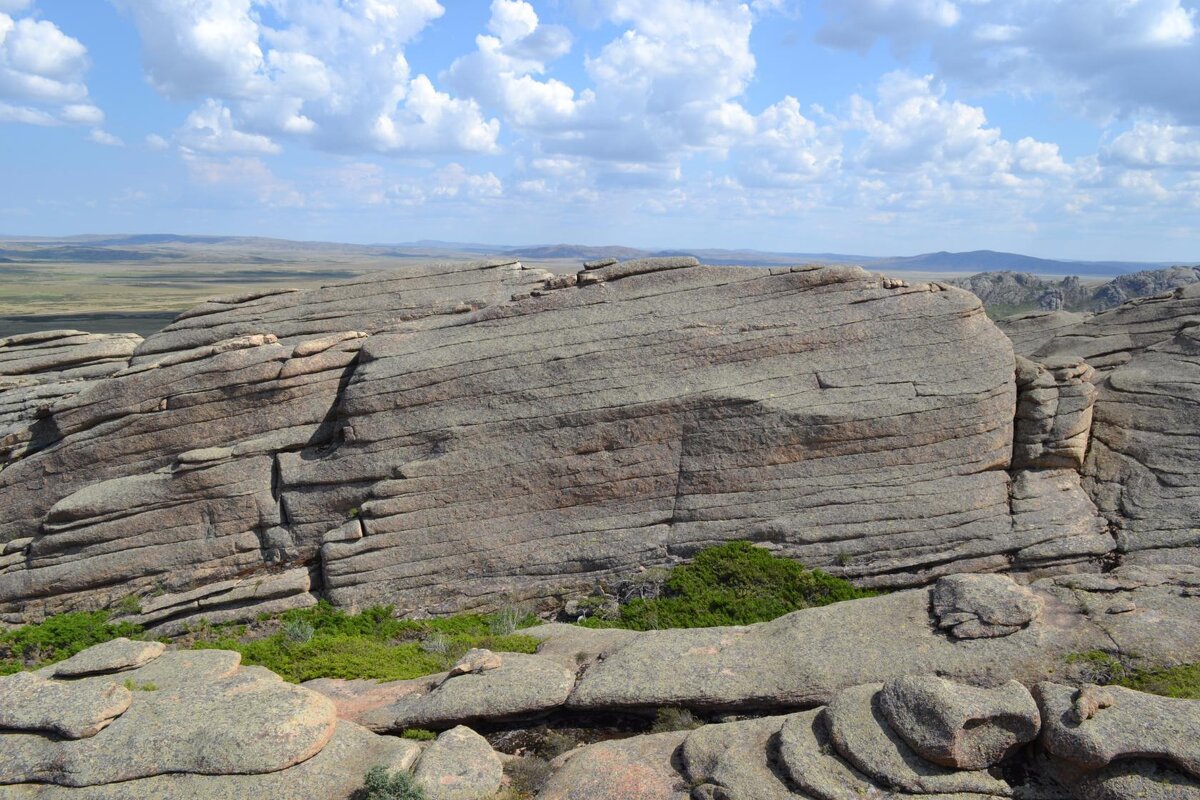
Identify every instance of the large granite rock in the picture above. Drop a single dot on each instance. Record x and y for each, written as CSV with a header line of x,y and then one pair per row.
x,y
73,711
641,767
421,438
1141,468
460,765
804,658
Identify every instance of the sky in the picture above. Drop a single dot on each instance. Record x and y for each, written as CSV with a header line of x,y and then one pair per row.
x,y
1056,128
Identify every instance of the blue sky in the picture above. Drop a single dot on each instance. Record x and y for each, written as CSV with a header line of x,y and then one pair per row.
x,y
1059,128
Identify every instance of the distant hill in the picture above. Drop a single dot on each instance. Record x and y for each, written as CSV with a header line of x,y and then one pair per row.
x,y
993,261
582,252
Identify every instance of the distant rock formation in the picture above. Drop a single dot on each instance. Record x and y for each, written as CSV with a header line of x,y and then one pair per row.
x,y
453,437
1008,289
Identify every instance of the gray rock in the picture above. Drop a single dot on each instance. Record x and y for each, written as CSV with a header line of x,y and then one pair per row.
x,y
1054,413
960,726
113,656
861,735
460,765
804,658
983,606
736,758
73,711
807,756
248,723
1136,779
1129,724
335,773
522,685
639,767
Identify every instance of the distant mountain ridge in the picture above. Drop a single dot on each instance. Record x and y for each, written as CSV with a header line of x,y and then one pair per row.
x,y
1006,292
142,247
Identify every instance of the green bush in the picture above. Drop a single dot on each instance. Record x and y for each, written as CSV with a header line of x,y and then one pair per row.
x,y
674,719
379,785
326,642
735,583
58,637
527,775
1182,681
418,734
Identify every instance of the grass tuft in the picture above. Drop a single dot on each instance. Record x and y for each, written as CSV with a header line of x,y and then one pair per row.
x,y
57,638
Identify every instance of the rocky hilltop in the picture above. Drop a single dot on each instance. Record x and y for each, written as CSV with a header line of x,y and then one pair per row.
x,y
1008,289
451,436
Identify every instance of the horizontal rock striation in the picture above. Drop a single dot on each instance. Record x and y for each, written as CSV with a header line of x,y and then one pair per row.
x,y
1143,465
450,437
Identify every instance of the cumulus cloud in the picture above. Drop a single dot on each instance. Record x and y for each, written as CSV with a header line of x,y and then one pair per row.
x,y
1153,145
329,72
210,129
42,72
156,142
1103,57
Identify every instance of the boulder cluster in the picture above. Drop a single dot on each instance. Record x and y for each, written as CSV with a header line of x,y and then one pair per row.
x,y
125,720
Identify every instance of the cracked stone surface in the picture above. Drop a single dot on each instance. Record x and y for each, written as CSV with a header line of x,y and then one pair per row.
x,y
73,711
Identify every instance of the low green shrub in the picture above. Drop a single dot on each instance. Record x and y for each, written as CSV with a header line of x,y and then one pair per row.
x,y
735,583
58,637
674,719
527,775
1098,667
418,734
326,642
1182,681
379,784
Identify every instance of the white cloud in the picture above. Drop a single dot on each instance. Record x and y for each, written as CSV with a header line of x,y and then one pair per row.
x,y
330,72
100,136
210,129
156,142
1101,57
42,72
242,180
1151,145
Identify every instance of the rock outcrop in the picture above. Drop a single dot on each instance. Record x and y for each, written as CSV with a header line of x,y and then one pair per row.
x,y
453,437
198,725
420,438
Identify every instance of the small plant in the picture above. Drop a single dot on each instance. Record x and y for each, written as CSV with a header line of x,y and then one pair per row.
x,y
527,775
298,631
353,513
436,644
843,559
554,744
1181,681
1098,667
419,734
381,785
129,606
674,719
506,621
133,686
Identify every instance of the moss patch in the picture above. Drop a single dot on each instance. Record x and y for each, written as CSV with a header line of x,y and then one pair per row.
x,y
735,583
1182,681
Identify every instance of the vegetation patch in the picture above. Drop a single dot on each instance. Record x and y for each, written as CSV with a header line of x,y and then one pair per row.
x,y
382,785
57,638
735,583
1104,668
325,642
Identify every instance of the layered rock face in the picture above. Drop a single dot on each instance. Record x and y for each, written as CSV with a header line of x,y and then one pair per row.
x,y
1142,468
455,436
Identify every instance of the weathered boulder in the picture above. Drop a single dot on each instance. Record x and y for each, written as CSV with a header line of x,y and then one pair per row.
x,y
71,710
639,767
113,656
983,606
861,734
460,765
1129,724
960,726
804,658
808,757
736,759
1054,413
522,685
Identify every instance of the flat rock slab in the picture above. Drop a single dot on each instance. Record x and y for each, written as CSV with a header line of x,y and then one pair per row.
x,y
522,685
249,723
1137,779
861,735
73,711
460,765
335,773
1135,725
960,726
640,767
114,656
737,757
172,671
